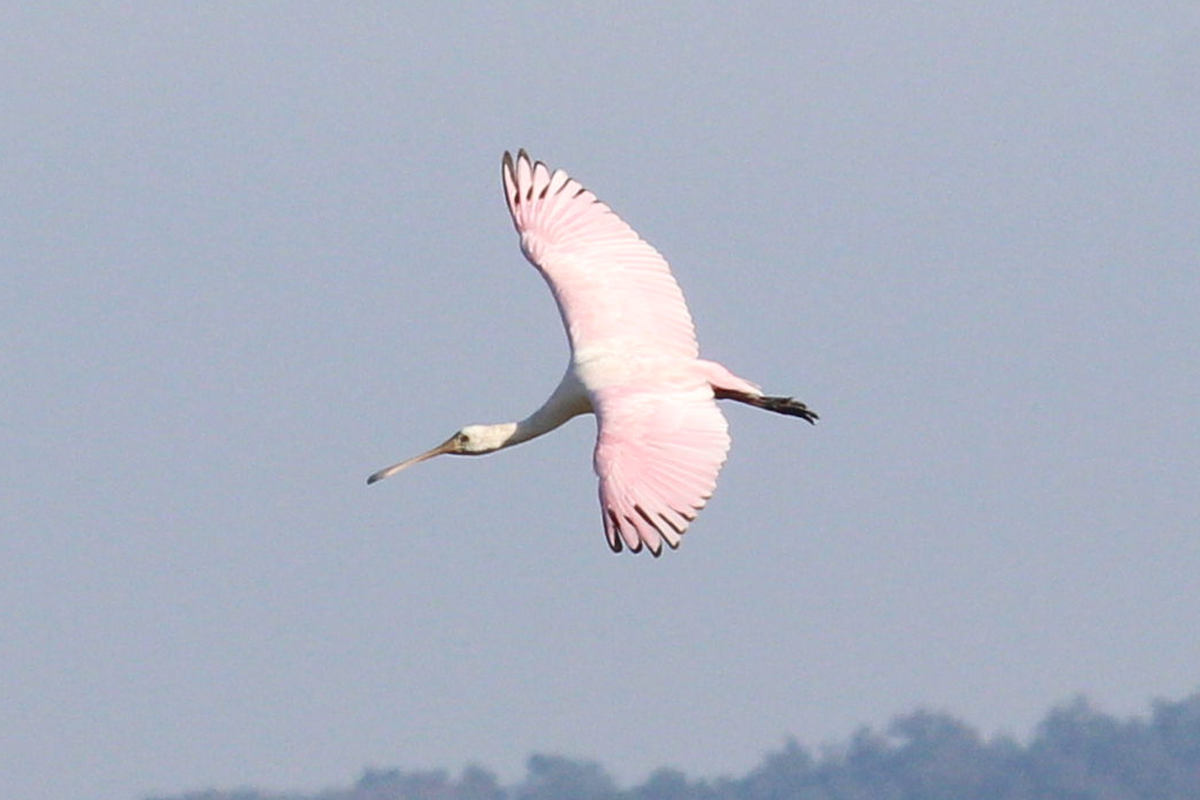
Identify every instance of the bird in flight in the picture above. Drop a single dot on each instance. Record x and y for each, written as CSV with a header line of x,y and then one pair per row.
x,y
661,440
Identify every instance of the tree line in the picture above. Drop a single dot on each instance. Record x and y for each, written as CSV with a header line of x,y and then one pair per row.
x,y
1076,753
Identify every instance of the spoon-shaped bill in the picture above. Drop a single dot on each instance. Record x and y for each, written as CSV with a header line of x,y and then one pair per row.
x,y
448,446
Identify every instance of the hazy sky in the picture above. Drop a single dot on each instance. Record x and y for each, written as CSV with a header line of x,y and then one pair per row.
x,y
252,252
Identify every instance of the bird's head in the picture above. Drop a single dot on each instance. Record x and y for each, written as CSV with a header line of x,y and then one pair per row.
x,y
473,440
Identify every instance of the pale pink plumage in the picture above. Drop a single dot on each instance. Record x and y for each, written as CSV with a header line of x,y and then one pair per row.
x,y
661,439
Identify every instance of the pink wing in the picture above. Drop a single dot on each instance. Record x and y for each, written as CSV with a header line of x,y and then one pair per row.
x,y
615,292
658,452
661,438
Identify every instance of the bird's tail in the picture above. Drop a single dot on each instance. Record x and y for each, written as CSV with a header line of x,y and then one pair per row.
x,y
780,405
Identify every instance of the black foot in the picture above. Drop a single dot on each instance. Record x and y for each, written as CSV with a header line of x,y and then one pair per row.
x,y
780,405
790,406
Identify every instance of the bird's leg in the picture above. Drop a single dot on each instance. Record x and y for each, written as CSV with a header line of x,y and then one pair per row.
x,y
780,405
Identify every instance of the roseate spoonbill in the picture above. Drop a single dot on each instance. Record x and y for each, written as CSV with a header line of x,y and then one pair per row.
x,y
661,440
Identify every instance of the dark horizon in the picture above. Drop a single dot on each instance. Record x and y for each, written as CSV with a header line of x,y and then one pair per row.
x,y
1076,753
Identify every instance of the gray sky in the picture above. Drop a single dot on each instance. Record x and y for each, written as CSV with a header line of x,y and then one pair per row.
x,y
250,255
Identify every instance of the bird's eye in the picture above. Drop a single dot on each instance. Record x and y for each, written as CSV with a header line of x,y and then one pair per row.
x,y
463,438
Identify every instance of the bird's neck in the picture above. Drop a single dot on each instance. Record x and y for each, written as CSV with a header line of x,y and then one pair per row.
x,y
539,422
568,400
499,435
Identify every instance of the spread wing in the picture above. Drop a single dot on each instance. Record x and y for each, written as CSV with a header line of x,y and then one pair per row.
x,y
658,451
614,291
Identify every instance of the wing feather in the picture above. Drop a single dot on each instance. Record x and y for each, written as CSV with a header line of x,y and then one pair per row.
x,y
615,292
658,451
